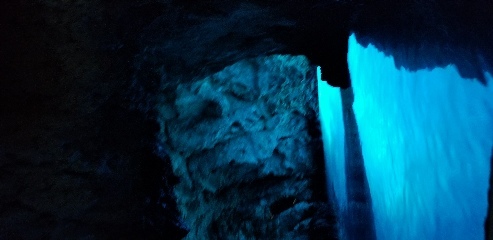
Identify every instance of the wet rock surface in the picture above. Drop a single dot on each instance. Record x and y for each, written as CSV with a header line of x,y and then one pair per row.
x,y
239,142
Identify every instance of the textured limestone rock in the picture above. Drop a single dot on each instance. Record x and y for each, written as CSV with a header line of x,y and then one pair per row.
x,y
239,141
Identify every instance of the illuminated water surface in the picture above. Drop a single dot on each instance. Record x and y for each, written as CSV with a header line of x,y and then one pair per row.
x,y
426,136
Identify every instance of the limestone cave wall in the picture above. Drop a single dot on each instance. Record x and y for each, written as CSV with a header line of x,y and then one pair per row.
x,y
240,141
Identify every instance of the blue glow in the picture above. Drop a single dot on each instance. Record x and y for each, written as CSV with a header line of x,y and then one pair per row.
x,y
426,139
333,137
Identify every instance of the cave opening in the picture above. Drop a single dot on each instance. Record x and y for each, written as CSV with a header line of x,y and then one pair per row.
x,y
426,142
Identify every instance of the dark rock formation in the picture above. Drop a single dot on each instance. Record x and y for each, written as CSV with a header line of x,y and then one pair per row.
x,y
239,141
196,41
75,160
429,34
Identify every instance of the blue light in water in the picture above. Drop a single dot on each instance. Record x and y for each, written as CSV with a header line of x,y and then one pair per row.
x,y
426,139
330,105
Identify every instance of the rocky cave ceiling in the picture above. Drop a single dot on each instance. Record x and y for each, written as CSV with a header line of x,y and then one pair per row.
x,y
200,37
196,38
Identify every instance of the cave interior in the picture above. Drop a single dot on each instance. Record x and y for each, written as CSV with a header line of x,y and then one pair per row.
x,y
246,119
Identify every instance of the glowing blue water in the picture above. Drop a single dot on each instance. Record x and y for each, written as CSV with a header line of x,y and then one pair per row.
x,y
333,135
426,139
